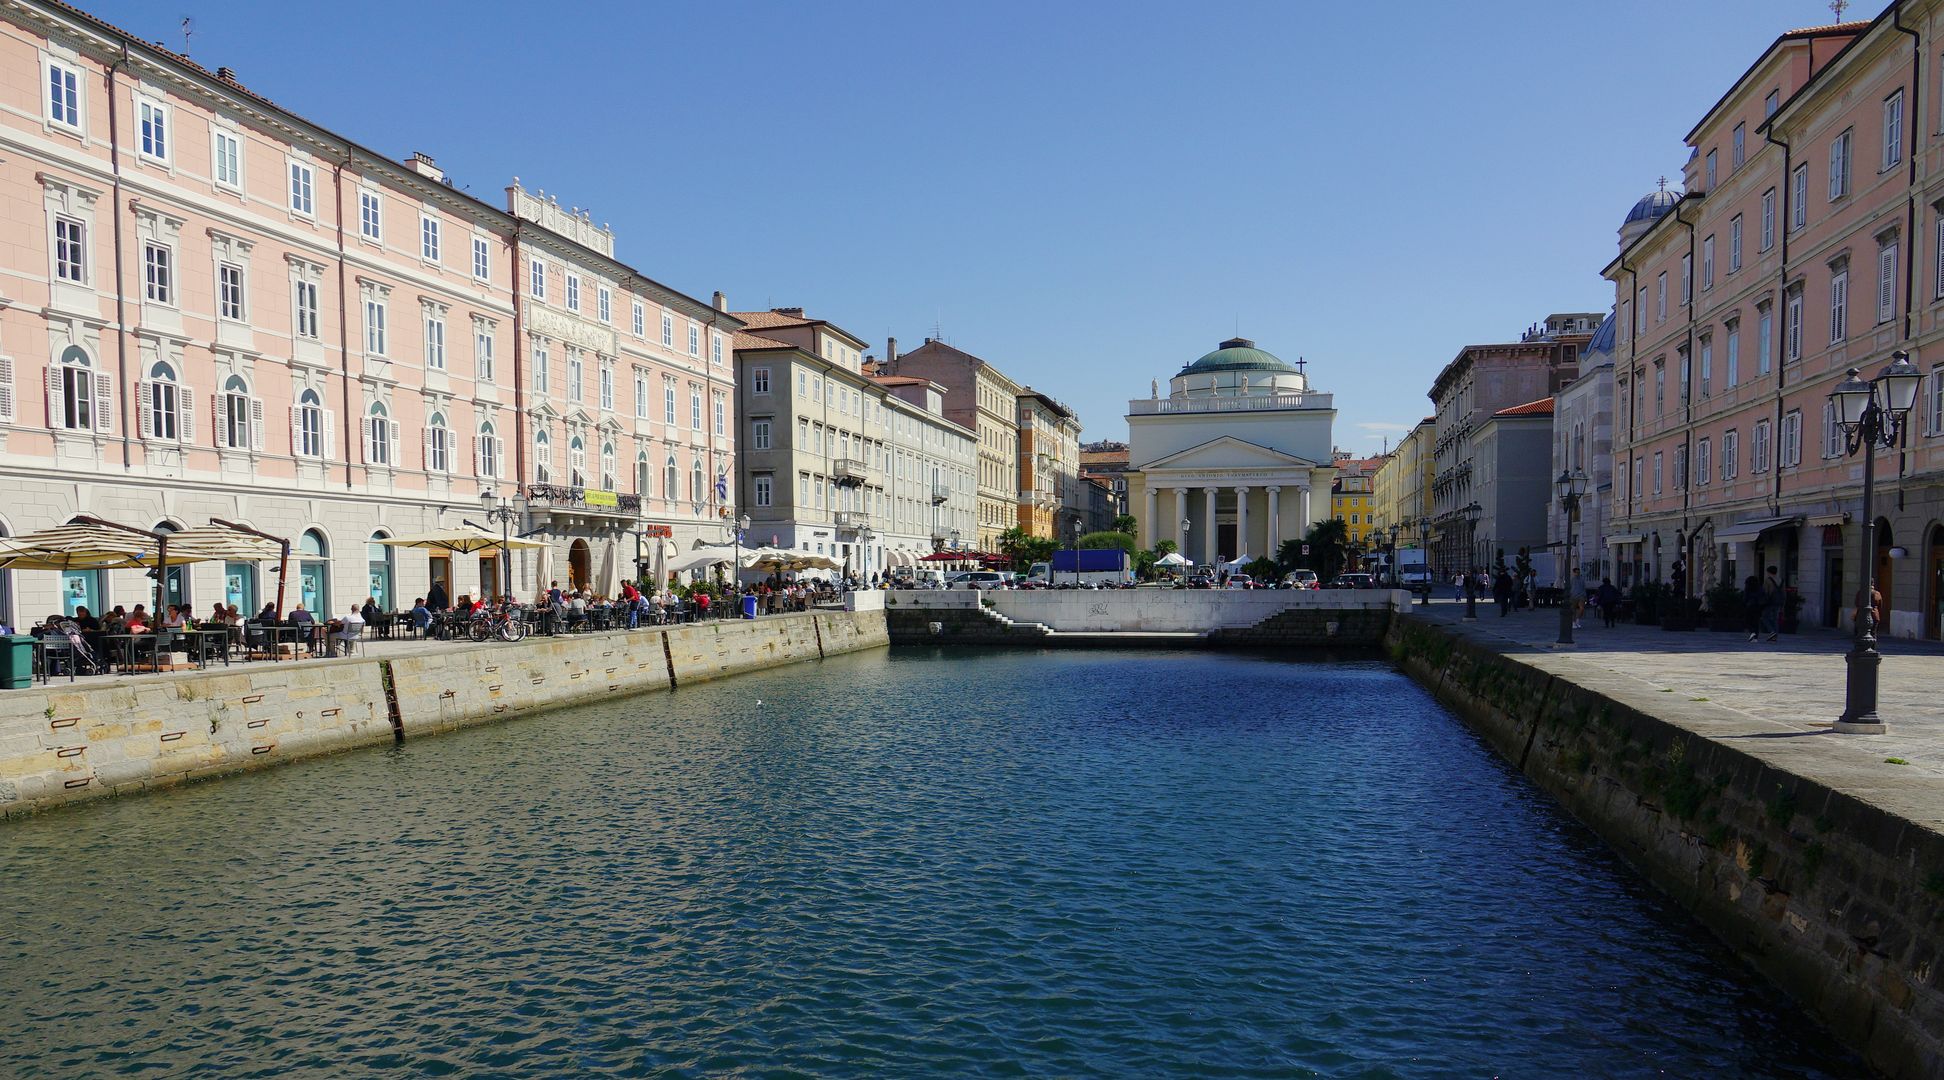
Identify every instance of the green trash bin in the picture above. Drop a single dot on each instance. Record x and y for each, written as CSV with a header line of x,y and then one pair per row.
x,y
16,661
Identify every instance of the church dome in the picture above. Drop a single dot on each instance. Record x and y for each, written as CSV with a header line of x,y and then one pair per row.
x,y
1652,205
1237,354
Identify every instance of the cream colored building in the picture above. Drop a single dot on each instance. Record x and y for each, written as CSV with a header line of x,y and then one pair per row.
x,y
981,398
1050,500
1235,460
1402,485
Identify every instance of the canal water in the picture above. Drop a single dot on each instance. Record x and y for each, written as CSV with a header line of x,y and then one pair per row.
x,y
889,864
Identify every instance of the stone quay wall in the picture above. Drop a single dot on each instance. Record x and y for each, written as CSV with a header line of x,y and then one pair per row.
x,y
1836,895
1132,618
68,742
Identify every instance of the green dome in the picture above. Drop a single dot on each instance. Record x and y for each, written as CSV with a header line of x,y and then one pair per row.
x,y
1237,354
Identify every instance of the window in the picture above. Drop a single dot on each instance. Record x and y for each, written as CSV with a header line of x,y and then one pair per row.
x,y
240,417
1758,448
438,444
229,291
1792,438
1680,468
576,462
643,476
375,327
64,95
482,259
486,447
573,291
1768,219
1839,165
1733,374
668,401
573,375
379,434
1707,262
607,467
428,238
607,387
371,222
694,340
721,411
668,330
1730,452
303,181
1770,103
695,408
1660,297
1838,305
1703,463
161,404
1940,256
1687,279
1709,168
304,306
1886,281
540,363
1686,373
1764,334
227,151
759,434
671,487
1893,129
763,484
698,492
155,132
158,274
1738,148
1799,197
483,350
1937,400
1657,472
1660,388
435,353
70,250
542,457
715,348
1792,328
308,438
537,279
640,394
759,378
604,303
1734,243
1832,432
1707,365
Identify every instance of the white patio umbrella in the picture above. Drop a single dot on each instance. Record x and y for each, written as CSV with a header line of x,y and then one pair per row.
x,y
696,560
1174,559
463,541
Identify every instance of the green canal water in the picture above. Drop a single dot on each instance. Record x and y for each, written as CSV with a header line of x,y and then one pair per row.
x,y
886,865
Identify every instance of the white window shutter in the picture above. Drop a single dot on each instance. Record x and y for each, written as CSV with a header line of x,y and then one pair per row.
x,y
6,390
256,423
104,417
296,431
144,396
479,455
330,435
395,440
425,447
54,385
219,409
186,413
364,427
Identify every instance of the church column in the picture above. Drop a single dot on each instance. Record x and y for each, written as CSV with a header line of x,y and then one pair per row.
x,y
1242,520
1274,537
1181,515
1153,520
1210,546
1303,510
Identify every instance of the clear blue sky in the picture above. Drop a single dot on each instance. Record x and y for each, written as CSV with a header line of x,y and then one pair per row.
x,y
1088,194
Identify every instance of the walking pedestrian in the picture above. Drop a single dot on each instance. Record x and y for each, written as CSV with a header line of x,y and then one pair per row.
x,y
1771,604
1576,596
1502,589
1609,600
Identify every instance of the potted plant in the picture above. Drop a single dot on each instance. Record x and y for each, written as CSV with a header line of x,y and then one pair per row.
x,y
1726,611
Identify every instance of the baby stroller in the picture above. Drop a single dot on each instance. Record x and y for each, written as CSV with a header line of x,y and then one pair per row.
x,y
66,648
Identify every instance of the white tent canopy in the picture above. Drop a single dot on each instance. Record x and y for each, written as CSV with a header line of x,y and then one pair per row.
x,y
1174,558
696,560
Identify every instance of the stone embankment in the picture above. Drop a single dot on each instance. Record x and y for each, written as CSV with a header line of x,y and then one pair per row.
x,y
111,735
1122,618
1828,881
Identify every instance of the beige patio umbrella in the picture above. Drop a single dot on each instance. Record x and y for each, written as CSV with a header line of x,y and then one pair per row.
x,y
94,544
462,541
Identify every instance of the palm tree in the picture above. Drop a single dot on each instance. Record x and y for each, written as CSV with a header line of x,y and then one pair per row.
x,y
1329,549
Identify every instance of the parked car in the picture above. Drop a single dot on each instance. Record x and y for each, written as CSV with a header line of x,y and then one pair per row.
x,y
977,579
1241,581
1354,581
1301,579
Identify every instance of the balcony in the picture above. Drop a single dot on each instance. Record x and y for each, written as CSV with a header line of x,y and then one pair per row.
x,y
594,500
850,472
1041,497
941,494
1157,406
852,519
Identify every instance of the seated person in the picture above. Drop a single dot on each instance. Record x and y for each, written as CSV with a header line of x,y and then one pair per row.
x,y
343,632
421,615
369,612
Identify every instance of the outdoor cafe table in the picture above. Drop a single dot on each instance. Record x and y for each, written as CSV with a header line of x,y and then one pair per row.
x,y
201,636
125,650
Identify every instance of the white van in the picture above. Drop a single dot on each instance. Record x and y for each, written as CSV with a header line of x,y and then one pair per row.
x,y
977,579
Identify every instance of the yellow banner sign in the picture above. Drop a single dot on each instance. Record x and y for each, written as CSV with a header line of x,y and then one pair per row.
x,y
606,499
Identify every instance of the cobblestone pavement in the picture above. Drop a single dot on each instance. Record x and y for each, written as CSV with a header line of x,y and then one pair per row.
x,y
1779,691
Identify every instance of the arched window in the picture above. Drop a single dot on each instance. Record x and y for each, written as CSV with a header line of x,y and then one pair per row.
x,y
488,463
643,476
671,489
241,417
577,462
379,558
607,468
314,572
72,391
697,493
379,435
438,444
307,422
542,457
161,403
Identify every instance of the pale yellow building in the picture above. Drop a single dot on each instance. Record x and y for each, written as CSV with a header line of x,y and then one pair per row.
x,y
1401,488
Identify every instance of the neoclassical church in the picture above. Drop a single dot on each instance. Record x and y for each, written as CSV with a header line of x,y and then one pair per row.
x,y
1225,464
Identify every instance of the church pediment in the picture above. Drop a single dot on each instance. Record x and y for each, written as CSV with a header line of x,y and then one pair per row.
x,y
1228,452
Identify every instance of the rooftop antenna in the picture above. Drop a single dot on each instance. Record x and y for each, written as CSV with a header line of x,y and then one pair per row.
x,y
186,31
1838,7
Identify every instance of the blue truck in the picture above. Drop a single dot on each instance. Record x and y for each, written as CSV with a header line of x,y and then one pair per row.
x,y
1084,566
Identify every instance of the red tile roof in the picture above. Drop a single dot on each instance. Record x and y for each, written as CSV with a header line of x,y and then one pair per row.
x,y
765,320
1542,407
757,341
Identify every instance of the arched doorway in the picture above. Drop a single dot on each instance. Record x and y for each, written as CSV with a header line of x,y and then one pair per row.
x,y
379,558
578,564
314,572
1884,571
1934,579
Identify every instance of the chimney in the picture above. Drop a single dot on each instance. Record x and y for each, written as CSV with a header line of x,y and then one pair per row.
x,y
720,301
228,75
891,355
422,165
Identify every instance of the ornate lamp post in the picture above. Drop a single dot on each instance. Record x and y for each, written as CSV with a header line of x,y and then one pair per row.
x,y
1471,513
1184,546
1872,415
1424,541
506,512
864,538
1390,535
1572,488
742,526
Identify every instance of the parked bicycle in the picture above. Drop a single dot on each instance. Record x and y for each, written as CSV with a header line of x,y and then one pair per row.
x,y
506,625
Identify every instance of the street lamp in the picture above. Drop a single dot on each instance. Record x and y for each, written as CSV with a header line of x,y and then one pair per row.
x,y
1391,534
1073,543
742,526
1872,414
1471,513
864,538
1571,487
1184,544
1424,541
506,512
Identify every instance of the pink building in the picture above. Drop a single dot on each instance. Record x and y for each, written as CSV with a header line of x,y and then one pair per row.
x,y
1809,240
212,307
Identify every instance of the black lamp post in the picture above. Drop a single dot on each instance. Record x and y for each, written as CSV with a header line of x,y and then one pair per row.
x,y
506,512
1390,534
1471,513
1424,541
1184,547
1872,415
1572,488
